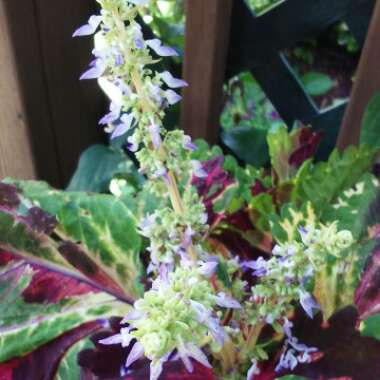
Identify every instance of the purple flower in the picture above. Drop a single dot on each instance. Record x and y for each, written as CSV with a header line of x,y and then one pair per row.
x,y
136,353
146,225
139,42
96,70
190,350
162,173
254,370
307,302
208,268
199,172
90,28
287,327
114,114
123,127
288,360
188,144
223,300
258,266
187,238
119,60
124,338
172,82
154,131
132,144
161,50
134,315
172,97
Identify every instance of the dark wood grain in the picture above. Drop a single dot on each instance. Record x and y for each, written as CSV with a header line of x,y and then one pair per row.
x,y
60,114
207,33
367,83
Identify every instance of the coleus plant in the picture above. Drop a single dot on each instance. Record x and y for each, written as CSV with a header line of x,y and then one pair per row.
x,y
199,269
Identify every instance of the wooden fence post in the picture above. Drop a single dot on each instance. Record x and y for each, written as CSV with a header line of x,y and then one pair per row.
x,y
206,48
367,83
58,114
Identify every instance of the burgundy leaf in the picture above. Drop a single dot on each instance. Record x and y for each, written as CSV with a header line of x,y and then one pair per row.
x,y
40,221
258,188
367,296
308,144
344,353
43,363
210,187
9,198
78,258
51,287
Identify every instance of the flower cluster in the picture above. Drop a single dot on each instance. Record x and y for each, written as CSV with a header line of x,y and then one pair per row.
x,y
175,317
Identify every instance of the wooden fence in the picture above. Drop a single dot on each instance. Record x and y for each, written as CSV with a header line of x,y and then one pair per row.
x,y
47,117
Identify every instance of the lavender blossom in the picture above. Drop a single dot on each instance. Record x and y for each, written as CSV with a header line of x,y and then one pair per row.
x,y
161,50
172,82
198,169
90,27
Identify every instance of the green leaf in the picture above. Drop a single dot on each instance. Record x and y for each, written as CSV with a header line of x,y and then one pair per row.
x,y
104,226
24,326
69,368
248,143
371,123
371,327
351,207
323,183
97,166
317,84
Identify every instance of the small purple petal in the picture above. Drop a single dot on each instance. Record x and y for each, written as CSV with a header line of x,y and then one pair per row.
x,y
223,300
308,303
188,144
208,269
161,50
136,353
254,370
172,82
94,72
90,28
132,145
172,97
139,43
123,127
199,172
154,131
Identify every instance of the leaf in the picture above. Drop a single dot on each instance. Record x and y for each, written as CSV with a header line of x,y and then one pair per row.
x,y
104,226
322,183
248,143
367,296
371,122
343,352
25,326
42,363
69,368
97,166
351,208
9,198
291,377
371,327
317,84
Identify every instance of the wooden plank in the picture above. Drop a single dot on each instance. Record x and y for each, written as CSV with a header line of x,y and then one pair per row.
x,y
16,156
75,106
59,112
206,46
367,83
